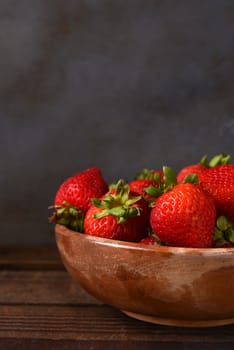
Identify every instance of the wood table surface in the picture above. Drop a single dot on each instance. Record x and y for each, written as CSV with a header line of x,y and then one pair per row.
x,y
41,307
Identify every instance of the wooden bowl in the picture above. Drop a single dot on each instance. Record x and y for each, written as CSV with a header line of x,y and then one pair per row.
x,y
166,285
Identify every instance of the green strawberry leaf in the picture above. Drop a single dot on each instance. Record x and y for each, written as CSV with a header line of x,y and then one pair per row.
x,y
226,159
60,211
121,213
223,232
147,174
118,203
142,175
219,159
155,177
170,178
119,187
68,216
230,235
98,202
218,234
204,161
191,178
153,191
169,181
132,200
222,223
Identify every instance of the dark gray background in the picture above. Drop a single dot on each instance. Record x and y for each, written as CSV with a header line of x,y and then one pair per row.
x,y
120,84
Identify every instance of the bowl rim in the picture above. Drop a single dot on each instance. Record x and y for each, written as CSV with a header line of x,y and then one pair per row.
x,y
61,230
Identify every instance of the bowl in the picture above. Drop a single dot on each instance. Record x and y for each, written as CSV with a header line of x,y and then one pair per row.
x,y
186,287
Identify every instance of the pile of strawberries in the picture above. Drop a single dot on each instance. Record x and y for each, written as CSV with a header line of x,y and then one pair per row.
x,y
194,208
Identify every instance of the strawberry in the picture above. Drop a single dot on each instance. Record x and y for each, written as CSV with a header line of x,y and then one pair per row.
x,y
184,215
73,197
143,180
138,187
152,239
118,215
219,182
148,241
219,159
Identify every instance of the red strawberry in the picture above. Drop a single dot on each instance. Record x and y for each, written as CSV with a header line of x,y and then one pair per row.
x,y
151,240
190,169
118,215
139,186
203,165
219,182
148,241
73,197
184,216
145,179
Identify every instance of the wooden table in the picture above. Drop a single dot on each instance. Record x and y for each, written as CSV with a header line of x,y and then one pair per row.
x,y
42,308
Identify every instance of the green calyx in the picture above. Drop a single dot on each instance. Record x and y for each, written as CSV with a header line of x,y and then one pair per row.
x,y
218,159
168,182
191,178
147,174
68,216
224,231
118,203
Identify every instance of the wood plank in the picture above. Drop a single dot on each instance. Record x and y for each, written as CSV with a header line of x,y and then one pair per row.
x,y
30,258
41,287
97,323
67,344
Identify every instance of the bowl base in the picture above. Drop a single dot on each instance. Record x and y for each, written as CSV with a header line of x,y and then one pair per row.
x,y
179,323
